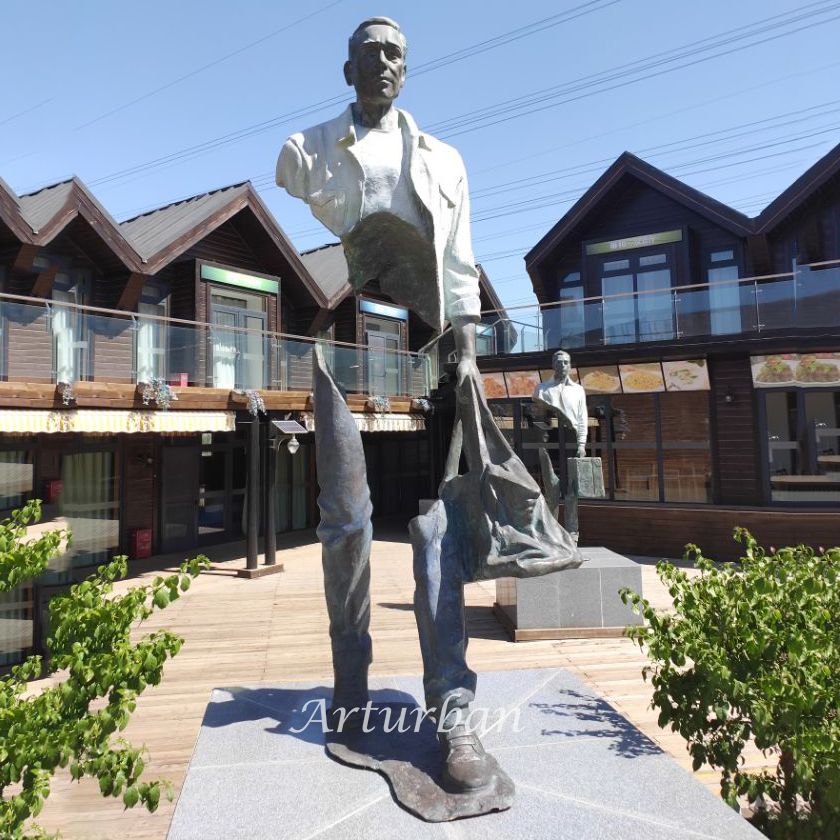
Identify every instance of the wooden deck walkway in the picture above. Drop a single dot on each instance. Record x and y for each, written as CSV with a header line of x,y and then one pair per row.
x,y
274,630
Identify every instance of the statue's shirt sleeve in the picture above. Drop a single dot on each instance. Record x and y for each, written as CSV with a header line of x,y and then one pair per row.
x,y
291,171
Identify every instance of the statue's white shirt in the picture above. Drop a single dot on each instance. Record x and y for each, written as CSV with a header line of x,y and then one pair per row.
x,y
387,188
570,400
322,166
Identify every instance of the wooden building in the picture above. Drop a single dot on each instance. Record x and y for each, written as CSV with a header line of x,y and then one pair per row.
x,y
205,300
709,345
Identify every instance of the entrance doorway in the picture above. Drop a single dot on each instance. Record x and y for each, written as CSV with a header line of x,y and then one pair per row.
x,y
179,497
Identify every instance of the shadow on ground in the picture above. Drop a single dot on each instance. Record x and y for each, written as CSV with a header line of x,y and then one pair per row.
x,y
625,740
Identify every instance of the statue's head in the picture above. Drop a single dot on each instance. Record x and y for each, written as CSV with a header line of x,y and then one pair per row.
x,y
376,60
561,361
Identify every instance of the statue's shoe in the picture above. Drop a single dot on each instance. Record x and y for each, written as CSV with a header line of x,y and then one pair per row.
x,y
465,764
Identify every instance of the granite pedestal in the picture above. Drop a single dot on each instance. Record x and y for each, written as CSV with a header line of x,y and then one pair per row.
x,y
581,771
577,603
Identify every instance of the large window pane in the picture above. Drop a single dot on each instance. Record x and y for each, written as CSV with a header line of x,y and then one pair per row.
x,y
89,504
636,475
656,316
619,309
685,417
724,300
15,478
687,475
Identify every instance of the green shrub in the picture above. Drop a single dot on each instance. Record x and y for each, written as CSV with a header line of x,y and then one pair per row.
x,y
752,650
89,640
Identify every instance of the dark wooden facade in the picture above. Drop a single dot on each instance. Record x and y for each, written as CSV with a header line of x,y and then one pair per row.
x,y
634,200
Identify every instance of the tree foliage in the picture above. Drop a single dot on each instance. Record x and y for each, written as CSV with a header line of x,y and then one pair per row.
x,y
74,722
752,651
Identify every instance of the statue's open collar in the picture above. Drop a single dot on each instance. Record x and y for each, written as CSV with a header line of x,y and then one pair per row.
x,y
405,120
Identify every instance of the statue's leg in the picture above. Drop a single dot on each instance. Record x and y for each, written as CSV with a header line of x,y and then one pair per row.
x,y
439,573
551,483
439,609
345,532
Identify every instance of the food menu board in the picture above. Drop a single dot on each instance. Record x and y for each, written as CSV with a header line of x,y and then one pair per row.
x,y
818,369
545,375
770,371
803,369
521,383
691,375
600,380
494,386
641,378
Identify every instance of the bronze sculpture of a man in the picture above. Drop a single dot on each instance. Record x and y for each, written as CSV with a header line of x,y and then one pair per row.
x,y
398,200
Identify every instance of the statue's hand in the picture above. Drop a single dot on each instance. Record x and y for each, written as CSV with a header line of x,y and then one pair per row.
x,y
581,452
466,368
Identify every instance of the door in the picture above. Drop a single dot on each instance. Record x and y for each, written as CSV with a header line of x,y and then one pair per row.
x,y
179,497
239,345
638,304
383,339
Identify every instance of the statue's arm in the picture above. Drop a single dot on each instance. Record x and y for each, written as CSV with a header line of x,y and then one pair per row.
x,y
460,276
582,427
292,173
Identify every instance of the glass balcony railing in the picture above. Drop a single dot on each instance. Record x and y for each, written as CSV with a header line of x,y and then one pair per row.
x,y
43,341
806,298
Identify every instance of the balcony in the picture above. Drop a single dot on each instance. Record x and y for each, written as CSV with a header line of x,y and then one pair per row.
x,y
802,300
49,342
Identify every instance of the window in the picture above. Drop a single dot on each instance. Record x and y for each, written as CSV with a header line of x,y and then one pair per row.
x,y
239,344
16,478
151,335
654,447
383,340
89,502
638,303
802,447
67,325
724,294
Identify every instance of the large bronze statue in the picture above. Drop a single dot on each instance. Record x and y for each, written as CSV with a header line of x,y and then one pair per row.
x,y
398,200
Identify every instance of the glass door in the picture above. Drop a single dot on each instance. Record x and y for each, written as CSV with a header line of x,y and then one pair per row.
x,y
382,337
638,303
238,340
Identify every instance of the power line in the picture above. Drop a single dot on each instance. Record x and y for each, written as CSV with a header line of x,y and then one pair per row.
x,y
267,125
536,102
204,67
25,111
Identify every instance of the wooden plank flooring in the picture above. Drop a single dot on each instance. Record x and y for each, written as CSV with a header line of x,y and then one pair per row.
x,y
274,629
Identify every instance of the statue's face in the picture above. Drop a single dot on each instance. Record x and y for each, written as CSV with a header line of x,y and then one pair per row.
x,y
377,67
562,367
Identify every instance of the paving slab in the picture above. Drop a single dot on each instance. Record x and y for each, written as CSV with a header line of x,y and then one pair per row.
x,y
581,770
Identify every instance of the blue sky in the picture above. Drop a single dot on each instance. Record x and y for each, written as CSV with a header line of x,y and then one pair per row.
x,y
108,90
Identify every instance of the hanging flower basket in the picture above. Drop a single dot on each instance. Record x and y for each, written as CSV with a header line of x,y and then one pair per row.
x,y
256,404
421,404
160,391
65,388
379,404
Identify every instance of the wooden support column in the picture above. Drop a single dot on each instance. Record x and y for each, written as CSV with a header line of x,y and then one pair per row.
x,y
25,257
43,285
130,295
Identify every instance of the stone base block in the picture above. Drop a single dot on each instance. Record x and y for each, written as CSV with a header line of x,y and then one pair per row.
x,y
576,603
581,771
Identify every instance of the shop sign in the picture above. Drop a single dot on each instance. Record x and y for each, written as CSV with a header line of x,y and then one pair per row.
x,y
647,241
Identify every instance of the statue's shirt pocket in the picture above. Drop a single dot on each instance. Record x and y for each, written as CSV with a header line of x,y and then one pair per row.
x,y
329,205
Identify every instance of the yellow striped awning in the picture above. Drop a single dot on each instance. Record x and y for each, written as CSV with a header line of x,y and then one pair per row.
x,y
366,422
113,421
